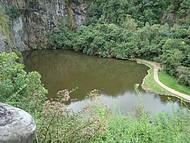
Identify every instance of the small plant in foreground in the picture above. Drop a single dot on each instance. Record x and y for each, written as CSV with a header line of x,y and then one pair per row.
x,y
58,124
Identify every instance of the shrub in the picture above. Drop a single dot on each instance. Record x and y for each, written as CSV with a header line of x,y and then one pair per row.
x,y
60,38
116,11
174,54
170,46
18,87
55,123
58,124
183,74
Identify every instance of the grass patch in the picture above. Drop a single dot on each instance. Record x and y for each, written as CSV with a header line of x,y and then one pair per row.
x,y
172,83
149,84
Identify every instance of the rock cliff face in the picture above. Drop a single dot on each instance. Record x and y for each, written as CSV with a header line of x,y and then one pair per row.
x,y
4,30
30,20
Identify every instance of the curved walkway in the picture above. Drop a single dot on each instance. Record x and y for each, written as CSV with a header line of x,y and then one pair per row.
x,y
156,67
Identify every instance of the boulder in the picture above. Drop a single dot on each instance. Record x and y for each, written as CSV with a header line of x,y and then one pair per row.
x,y
16,125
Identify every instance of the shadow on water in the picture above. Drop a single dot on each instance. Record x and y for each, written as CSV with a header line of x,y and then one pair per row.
x,y
115,78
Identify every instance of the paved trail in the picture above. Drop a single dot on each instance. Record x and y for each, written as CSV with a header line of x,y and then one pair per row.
x,y
156,67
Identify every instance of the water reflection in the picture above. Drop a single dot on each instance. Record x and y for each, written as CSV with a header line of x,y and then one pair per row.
x,y
129,101
115,78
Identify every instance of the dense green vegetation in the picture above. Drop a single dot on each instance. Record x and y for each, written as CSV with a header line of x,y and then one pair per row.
x,y
143,11
18,87
94,124
149,29
153,30
54,122
168,45
144,129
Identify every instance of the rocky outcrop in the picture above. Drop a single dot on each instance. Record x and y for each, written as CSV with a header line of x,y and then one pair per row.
x,y
18,34
36,18
16,126
2,42
5,40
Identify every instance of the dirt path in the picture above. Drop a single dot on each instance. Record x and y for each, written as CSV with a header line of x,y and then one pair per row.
x,y
156,67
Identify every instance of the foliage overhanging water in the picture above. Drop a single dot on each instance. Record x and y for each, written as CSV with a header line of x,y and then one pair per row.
x,y
115,79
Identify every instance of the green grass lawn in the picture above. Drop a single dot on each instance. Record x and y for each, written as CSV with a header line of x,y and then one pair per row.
x,y
172,83
150,84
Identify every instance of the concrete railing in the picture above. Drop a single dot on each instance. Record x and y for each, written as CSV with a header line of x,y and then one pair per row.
x,y
16,126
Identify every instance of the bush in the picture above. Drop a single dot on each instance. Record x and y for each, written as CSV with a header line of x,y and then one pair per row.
x,y
58,124
170,46
60,38
174,55
55,123
18,87
153,12
183,74
116,11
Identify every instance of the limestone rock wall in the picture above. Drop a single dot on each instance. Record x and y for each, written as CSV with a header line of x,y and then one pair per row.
x,y
35,18
4,31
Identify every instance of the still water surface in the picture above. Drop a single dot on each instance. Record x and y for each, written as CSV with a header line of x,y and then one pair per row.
x,y
115,79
